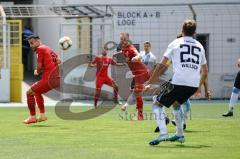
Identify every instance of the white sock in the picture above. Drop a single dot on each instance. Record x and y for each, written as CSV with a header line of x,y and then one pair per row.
x,y
233,100
178,115
186,109
130,100
164,112
160,118
185,114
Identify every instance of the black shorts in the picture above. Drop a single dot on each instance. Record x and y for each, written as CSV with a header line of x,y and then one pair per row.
x,y
179,94
237,81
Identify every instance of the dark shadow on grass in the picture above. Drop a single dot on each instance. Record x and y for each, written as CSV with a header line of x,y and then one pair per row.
x,y
182,146
196,131
64,128
41,126
192,146
63,110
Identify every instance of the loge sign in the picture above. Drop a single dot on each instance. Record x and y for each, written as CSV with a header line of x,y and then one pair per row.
x,y
130,18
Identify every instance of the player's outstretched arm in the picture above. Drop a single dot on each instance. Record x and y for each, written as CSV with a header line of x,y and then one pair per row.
x,y
91,64
114,62
118,59
137,58
117,53
118,63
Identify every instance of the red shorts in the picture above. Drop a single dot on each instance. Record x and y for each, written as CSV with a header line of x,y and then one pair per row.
x,y
44,85
103,80
139,81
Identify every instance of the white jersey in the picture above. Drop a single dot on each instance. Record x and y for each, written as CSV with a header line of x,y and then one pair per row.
x,y
187,56
148,59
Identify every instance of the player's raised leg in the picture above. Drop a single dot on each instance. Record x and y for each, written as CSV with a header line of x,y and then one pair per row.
x,y
130,101
131,98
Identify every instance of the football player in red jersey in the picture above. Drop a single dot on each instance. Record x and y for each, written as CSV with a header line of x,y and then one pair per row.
x,y
139,71
47,66
102,62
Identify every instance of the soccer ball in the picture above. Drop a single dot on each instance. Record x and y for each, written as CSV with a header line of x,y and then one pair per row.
x,y
65,42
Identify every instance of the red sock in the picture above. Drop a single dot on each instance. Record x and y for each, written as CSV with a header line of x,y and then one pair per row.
x,y
31,104
40,103
139,107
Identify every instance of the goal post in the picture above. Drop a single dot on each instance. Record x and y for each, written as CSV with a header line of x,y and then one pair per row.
x,y
4,59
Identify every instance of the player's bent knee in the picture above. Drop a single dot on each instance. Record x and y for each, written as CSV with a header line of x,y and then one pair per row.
x,y
30,92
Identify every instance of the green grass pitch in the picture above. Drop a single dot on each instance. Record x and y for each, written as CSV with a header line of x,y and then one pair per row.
x,y
115,136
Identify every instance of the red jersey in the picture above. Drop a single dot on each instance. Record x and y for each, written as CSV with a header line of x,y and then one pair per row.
x,y
47,58
137,67
102,65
